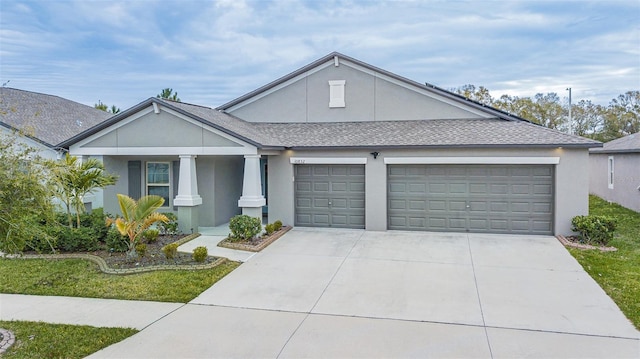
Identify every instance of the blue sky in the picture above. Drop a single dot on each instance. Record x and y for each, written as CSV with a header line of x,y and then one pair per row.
x,y
210,52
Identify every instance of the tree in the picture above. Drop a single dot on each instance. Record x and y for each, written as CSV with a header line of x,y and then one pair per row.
x,y
588,119
481,94
101,106
622,116
137,216
72,180
25,200
168,94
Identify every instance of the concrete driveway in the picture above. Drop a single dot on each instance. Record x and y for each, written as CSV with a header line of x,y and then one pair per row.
x,y
350,293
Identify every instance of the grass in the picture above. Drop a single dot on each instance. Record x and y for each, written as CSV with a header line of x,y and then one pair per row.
x,y
81,278
618,273
42,340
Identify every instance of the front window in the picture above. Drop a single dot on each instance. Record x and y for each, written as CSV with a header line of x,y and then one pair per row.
x,y
158,180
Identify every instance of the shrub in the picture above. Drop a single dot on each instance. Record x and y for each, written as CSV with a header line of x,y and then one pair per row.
x,y
74,239
269,228
594,229
200,254
95,221
41,244
141,249
171,227
244,227
170,250
151,235
115,241
277,225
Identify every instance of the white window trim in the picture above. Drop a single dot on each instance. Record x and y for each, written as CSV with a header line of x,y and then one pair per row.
x,y
328,160
472,160
166,204
610,172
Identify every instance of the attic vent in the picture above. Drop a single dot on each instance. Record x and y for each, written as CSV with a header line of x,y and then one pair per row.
x,y
79,123
336,93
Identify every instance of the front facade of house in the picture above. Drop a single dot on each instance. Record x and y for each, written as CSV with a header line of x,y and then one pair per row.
x,y
614,171
340,143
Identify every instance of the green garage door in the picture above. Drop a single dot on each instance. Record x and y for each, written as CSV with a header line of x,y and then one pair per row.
x,y
329,196
471,198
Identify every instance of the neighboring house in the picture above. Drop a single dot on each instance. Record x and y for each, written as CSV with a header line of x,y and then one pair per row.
x,y
341,143
615,171
43,121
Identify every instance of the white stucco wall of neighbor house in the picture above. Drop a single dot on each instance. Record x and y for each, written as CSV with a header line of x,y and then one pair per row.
x,y
570,193
625,188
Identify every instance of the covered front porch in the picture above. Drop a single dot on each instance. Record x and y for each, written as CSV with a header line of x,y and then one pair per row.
x,y
206,173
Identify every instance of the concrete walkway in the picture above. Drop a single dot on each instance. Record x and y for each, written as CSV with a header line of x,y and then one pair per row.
x,y
210,237
348,293
84,311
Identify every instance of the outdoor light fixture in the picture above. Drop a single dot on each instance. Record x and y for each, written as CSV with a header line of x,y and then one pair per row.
x,y
375,154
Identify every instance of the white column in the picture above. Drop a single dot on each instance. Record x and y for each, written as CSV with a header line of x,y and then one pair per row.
x,y
188,183
252,199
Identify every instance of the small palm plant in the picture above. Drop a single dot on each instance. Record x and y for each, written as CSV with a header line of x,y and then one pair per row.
x,y
137,216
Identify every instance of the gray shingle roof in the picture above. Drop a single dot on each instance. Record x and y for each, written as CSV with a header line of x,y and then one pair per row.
x,y
47,118
231,124
629,144
421,133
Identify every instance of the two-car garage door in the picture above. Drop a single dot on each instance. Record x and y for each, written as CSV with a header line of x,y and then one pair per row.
x,y
467,198
474,198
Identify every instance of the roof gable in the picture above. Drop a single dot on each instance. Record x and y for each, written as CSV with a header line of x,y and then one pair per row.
x,y
372,94
156,127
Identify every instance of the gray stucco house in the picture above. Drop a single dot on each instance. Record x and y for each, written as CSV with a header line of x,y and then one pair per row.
x,y
341,143
43,121
614,171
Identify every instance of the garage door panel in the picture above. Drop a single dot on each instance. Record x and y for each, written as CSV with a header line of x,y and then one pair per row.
x,y
318,171
479,198
329,195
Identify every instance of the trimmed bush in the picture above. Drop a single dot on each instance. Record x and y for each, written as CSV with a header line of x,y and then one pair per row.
x,y
244,227
200,254
594,229
115,241
269,228
171,227
141,249
151,235
170,250
277,225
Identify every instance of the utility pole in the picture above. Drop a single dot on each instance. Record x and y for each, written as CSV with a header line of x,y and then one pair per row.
x,y
570,121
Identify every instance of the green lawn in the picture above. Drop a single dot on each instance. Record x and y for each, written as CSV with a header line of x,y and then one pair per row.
x,y
42,340
618,273
81,278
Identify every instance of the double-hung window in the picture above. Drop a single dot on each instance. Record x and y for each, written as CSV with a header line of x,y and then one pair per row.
x,y
158,180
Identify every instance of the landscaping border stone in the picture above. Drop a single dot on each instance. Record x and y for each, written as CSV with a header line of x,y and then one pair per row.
x,y
568,243
6,340
104,267
258,247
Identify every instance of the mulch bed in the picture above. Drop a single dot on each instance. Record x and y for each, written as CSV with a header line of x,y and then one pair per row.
x,y
153,256
256,244
575,242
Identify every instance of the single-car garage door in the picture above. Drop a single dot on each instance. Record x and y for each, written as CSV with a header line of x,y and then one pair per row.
x,y
329,196
471,198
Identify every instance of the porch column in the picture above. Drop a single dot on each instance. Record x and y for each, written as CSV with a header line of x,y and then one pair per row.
x,y
188,198
252,200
